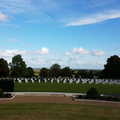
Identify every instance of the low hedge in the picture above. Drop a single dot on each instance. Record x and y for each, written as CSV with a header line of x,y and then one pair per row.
x,y
7,85
93,94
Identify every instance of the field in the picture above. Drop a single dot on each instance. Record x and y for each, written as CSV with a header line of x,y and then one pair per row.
x,y
68,88
59,111
38,111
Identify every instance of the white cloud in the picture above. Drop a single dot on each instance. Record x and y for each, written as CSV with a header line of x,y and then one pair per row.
x,y
43,51
68,53
80,51
16,6
13,40
95,18
3,17
97,53
10,53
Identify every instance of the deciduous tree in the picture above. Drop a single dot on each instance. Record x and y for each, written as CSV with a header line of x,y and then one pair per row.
x,y
44,72
55,70
66,72
18,67
30,72
112,67
4,70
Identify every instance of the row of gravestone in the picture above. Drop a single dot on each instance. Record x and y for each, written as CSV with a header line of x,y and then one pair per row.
x,y
69,80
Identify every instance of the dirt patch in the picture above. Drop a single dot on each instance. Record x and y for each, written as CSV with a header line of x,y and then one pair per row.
x,y
56,99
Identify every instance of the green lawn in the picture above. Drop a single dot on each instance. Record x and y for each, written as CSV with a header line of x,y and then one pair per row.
x,y
38,111
68,88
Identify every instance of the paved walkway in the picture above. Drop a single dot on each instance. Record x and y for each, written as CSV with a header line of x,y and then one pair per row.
x,y
54,98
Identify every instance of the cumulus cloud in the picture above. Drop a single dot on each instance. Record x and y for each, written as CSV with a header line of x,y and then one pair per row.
x,y
68,53
95,18
43,51
97,53
3,17
10,53
80,51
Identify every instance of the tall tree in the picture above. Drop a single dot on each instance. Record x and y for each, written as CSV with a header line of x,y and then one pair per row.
x,y
55,70
18,67
4,70
30,72
66,72
44,73
112,68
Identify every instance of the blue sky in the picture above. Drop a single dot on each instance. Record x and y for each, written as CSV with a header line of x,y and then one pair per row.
x,y
76,33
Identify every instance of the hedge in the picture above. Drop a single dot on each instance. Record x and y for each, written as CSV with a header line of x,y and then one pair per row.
x,y
7,85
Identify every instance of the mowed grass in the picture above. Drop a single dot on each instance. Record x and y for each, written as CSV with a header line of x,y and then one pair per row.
x,y
38,111
67,88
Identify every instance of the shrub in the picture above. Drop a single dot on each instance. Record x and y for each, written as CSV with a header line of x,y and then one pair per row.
x,y
93,93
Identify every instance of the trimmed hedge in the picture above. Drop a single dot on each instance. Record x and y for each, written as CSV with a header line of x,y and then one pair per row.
x,y
93,93
7,85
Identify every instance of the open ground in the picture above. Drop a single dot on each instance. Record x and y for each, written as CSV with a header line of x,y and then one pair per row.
x,y
58,106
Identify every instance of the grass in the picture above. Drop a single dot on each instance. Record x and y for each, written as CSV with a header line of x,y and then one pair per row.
x,y
38,111
68,88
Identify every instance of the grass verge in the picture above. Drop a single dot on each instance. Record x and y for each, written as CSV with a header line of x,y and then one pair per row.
x,y
68,88
38,111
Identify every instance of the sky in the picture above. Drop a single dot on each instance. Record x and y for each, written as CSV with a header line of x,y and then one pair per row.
x,y
80,34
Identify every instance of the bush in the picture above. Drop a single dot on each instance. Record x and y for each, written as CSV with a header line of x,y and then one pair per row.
x,y
93,93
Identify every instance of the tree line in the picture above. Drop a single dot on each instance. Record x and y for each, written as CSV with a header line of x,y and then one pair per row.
x,y
18,68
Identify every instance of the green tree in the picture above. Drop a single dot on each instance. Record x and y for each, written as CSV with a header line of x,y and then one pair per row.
x,y
18,67
66,72
55,70
44,73
30,72
112,68
4,70
83,73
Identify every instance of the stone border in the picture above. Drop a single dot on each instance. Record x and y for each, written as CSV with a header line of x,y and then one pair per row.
x,y
44,94
88,100
8,98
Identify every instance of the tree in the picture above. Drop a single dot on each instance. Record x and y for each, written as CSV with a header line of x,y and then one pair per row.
x,y
18,67
4,70
66,72
30,72
112,68
55,70
44,73
83,73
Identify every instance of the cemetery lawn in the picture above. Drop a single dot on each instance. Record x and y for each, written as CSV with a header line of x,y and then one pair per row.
x,y
36,111
66,88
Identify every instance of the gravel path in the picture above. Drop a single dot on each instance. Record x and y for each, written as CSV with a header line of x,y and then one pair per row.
x,y
55,99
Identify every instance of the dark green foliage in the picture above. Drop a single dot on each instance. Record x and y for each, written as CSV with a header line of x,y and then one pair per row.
x,y
44,73
92,93
4,70
66,72
1,93
7,85
18,67
30,72
55,70
112,68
